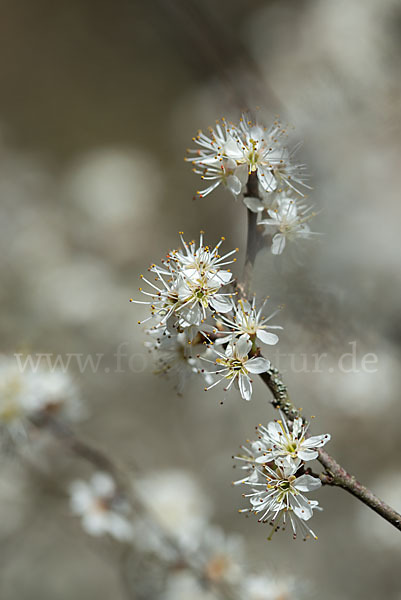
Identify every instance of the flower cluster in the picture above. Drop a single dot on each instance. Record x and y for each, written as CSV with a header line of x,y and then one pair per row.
x,y
275,471
196,321
231,154
190,286
185,293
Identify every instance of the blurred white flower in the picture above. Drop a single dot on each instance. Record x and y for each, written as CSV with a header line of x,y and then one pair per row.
x,y
176,506
177,355
281,498
287,222
235,365
185,586
101,509
219,557
34,392
268,587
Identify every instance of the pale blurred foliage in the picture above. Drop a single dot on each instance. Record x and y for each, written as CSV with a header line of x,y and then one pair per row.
x,y
98,105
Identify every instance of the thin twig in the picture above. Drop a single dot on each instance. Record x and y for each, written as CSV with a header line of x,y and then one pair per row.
x,y
334,474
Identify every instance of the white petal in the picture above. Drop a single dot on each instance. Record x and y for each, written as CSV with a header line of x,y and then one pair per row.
x,y
318,440
253,477
294,462
288,465
307,483
191,315
214,280
267,179
232,150
222,278
297,427
254,204
234,185
274,217
242,346
256,133
266,337
245,387
278,244
304,511
242,173
258,365
275,431
224,340
307,454
221,303
230,164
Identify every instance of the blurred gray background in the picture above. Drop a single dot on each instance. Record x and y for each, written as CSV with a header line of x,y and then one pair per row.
x,y
98,103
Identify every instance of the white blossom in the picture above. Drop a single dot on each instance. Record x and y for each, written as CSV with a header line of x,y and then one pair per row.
x,y
266,201
244,149
189,288
199,296
203,260
248,320
287,222
101,509
279,497
164,299
248,458
235,365
225,173
277,441
177,355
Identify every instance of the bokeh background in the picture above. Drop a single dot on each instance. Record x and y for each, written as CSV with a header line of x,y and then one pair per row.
x,y
98,103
